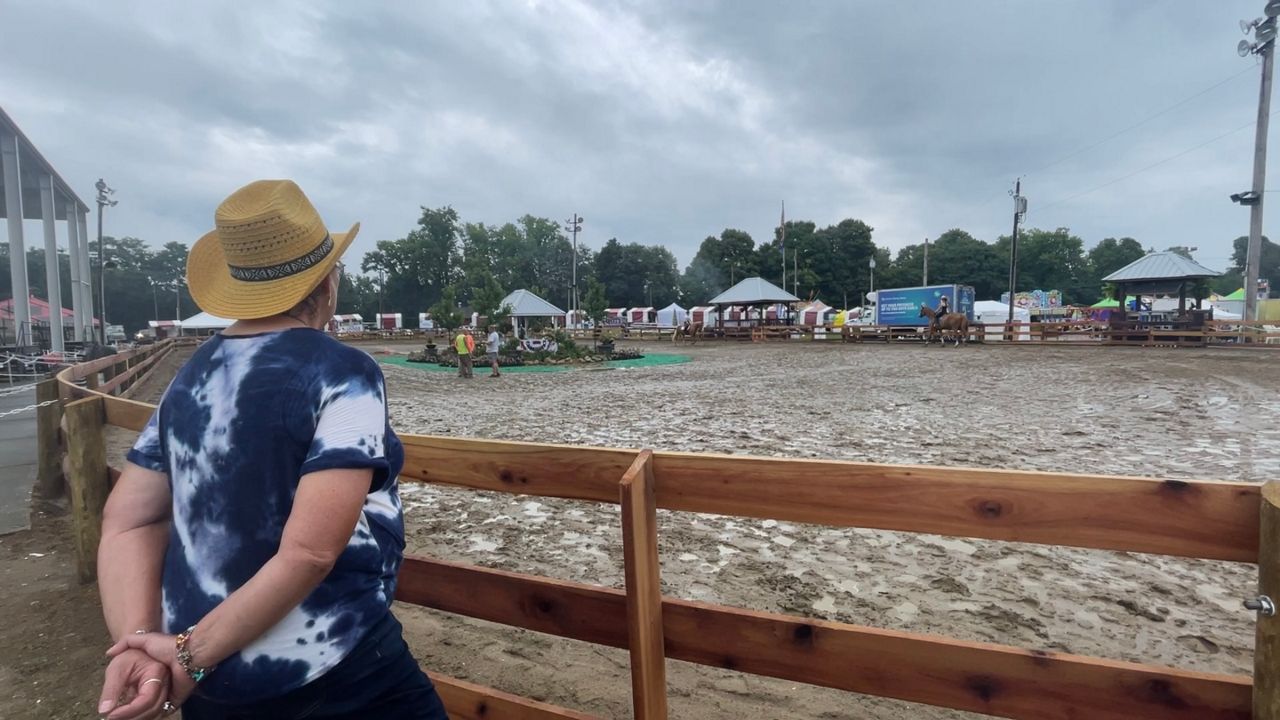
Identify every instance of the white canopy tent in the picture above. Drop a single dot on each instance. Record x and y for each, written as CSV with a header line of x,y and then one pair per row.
x,y
202,323
672,315
996,313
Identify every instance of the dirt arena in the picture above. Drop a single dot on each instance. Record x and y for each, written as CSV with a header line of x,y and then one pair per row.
x,y
1168,414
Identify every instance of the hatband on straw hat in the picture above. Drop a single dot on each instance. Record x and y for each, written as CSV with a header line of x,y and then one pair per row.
x,y
268,251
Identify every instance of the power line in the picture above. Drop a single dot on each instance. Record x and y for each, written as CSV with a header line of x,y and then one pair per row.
x,y
1117,134
1156,164
1142,122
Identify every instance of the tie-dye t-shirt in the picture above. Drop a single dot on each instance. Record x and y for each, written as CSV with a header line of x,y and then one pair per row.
x,y
240,425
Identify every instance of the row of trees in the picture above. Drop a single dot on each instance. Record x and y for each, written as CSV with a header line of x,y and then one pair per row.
x,y
446,266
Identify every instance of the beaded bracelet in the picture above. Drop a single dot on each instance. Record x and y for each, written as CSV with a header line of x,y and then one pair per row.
x,y
184,657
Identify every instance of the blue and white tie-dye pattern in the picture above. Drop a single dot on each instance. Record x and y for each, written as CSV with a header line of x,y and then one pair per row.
x,y
242,422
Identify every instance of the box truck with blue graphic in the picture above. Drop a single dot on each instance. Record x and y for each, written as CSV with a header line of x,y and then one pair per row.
x,y
900,307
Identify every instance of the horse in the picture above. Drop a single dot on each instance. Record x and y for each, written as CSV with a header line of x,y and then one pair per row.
x,y
689,331
953,322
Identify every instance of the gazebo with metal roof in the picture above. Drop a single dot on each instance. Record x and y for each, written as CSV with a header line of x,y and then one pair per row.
x,y
1159,273
523,304
750,292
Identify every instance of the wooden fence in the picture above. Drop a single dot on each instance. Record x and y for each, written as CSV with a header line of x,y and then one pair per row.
x,y
1222,521
1069,334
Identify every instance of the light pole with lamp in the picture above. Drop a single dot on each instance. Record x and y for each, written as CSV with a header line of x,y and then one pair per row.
x,y
104,200
155,300
1264,29
574,226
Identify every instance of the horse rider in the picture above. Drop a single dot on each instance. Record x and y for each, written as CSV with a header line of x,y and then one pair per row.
x,y
944,306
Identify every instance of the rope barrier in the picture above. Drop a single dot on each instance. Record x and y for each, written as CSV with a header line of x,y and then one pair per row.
x,y
28,408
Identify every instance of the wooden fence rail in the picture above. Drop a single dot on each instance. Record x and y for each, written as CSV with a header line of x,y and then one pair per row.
x,y
1220,521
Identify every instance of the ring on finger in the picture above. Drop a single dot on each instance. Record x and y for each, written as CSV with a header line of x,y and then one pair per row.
x,y
168,708
148,681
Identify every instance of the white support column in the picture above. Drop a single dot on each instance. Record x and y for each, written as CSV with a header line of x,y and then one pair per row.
x,y
53,278
17,249
73,252
86,276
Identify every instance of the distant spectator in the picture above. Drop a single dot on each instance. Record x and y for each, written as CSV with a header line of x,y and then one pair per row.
x,y
491,344
465,345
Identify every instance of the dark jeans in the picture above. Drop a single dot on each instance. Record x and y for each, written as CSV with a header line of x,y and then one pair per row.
x,y
378,679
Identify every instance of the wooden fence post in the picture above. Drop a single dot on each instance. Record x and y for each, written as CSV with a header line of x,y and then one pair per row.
x,y
87,480
48,448
644,590
1266,654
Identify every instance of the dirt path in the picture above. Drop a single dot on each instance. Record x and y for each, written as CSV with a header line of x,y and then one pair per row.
x,y
1183,414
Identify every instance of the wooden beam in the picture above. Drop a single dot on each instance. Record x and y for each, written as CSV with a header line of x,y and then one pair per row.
x,y
468,701
977,677
644,590
1214,520
1266,654
86,481
128,414
151,369
126,378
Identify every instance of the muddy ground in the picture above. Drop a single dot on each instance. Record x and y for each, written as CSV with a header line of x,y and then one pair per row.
x,y
1159,413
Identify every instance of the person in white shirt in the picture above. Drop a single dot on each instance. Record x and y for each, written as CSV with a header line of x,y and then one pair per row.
x,y
491,344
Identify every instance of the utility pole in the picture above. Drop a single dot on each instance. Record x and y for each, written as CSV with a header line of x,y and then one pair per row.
x,y
1019,209
795,273
104,200
574,225
155,299
926,262
782,227
1264,45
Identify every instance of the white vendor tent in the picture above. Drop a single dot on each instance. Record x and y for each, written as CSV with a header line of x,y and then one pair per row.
x,y
203,323
389,321
817,313
346,323
641,315
705,315
672,315
425,322
995,314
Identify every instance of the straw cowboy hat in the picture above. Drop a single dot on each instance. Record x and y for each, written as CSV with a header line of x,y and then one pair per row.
x,y
269,250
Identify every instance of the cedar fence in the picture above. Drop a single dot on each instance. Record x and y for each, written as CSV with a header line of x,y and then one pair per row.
x,y
1236,522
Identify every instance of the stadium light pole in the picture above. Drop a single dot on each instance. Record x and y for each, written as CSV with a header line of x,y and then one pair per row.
x,y
104,200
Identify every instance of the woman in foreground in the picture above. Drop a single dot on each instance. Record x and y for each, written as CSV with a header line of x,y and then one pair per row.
x,y
250,548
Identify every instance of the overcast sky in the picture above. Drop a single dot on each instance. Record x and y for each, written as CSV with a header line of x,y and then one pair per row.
x,y
659,122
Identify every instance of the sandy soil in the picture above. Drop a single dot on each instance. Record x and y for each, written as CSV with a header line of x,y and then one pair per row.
x,y
1171,414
